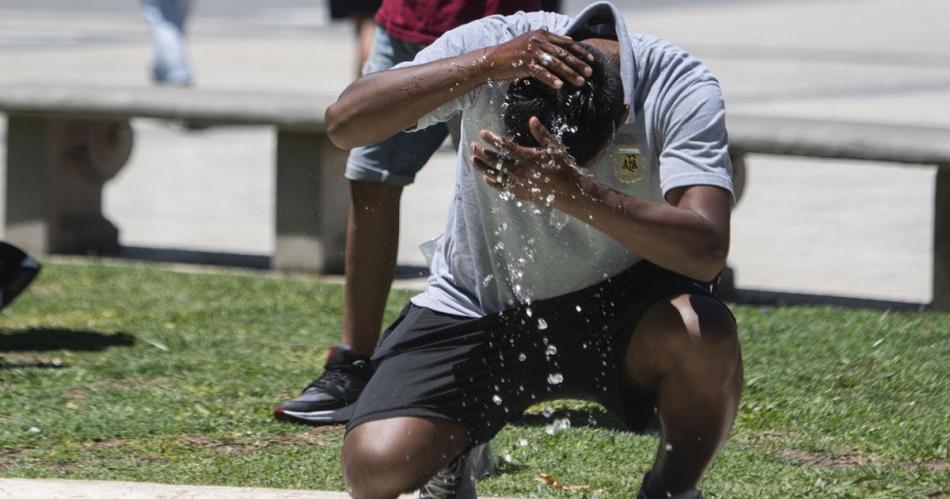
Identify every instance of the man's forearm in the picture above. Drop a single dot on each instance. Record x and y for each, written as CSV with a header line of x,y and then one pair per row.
x,y
381,104
678,238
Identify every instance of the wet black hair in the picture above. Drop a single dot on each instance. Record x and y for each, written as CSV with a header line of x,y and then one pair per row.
x,y
584,117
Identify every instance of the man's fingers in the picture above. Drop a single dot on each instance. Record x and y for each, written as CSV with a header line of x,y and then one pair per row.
x,y
505,147
493,178
544,76
568,43
556,64
542,134
493,161
571,60
483,153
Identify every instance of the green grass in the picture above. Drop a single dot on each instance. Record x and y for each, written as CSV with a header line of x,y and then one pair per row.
x,y
135,372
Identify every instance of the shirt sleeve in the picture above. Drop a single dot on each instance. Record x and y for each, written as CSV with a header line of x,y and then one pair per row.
x,y
694,142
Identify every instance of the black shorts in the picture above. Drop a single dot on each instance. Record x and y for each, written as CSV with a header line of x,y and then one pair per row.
x,y
484,372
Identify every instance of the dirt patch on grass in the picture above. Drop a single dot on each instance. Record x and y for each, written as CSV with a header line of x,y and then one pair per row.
x,y
848,461
853,460
129,384
7,458
76,393
316,436
939,465
110,443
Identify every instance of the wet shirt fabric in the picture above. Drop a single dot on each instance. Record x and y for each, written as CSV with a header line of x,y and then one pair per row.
x,y
422,21
497,251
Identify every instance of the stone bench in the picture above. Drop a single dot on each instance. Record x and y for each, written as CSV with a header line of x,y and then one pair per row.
x,y
64,143
859,141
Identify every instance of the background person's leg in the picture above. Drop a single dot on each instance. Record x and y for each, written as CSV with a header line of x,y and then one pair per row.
x,y
686,350
387,457
365,28
166,21
372,241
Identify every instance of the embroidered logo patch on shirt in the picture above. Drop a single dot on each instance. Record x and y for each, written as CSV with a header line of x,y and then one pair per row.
x,y
630,167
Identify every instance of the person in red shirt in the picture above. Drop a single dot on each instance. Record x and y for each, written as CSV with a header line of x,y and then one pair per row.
x,y
377,175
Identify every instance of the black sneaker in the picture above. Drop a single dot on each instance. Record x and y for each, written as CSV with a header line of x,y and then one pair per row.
x,y
457,479
344,377
17,271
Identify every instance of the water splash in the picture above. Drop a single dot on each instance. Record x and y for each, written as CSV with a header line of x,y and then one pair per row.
x,y
555,378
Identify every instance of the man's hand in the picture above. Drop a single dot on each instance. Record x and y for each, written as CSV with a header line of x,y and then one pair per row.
x,y
543,174
552,59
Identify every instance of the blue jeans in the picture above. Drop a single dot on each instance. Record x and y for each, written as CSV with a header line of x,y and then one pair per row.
x,y
166,21
397,159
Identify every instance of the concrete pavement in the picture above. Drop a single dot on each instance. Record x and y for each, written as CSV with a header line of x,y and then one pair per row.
x,y
804,226
16,488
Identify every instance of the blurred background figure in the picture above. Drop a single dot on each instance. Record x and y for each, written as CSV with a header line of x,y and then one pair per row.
x,y
361,13
166,22
551,5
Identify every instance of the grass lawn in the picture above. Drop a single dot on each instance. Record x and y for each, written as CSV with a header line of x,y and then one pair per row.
x,y
135,372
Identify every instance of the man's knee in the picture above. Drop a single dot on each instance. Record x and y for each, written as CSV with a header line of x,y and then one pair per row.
x,y
693,331
372,469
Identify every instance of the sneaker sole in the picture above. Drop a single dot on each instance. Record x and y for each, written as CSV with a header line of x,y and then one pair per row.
x,y
316,418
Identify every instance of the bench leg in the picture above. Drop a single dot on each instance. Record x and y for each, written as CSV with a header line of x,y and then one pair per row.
x,y
312,203
941,277
56,169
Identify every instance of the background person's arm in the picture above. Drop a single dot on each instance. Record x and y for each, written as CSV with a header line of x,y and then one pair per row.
x,y
381,104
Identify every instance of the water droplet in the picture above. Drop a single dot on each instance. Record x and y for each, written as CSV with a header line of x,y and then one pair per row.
x,y
555,378
578,308
523,442
557,425
528,312
522,357
668,447
551,350
506,457
496,399
34,429
549,200
487,279
542,324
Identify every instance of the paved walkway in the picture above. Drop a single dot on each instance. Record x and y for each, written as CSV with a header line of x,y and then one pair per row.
x,y
15,488
804,226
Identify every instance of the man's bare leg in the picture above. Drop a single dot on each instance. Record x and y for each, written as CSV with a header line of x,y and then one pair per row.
x,y
686,350
372,241
387,457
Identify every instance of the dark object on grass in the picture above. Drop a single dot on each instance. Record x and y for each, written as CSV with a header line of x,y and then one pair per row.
x,y
17,271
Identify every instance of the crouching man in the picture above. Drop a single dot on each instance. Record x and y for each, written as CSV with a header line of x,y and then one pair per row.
x,y
590,215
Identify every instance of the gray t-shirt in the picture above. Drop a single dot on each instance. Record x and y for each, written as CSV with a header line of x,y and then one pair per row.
x,y
497,250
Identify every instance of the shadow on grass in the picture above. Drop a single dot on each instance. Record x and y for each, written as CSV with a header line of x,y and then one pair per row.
x,y
579,418
49,339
